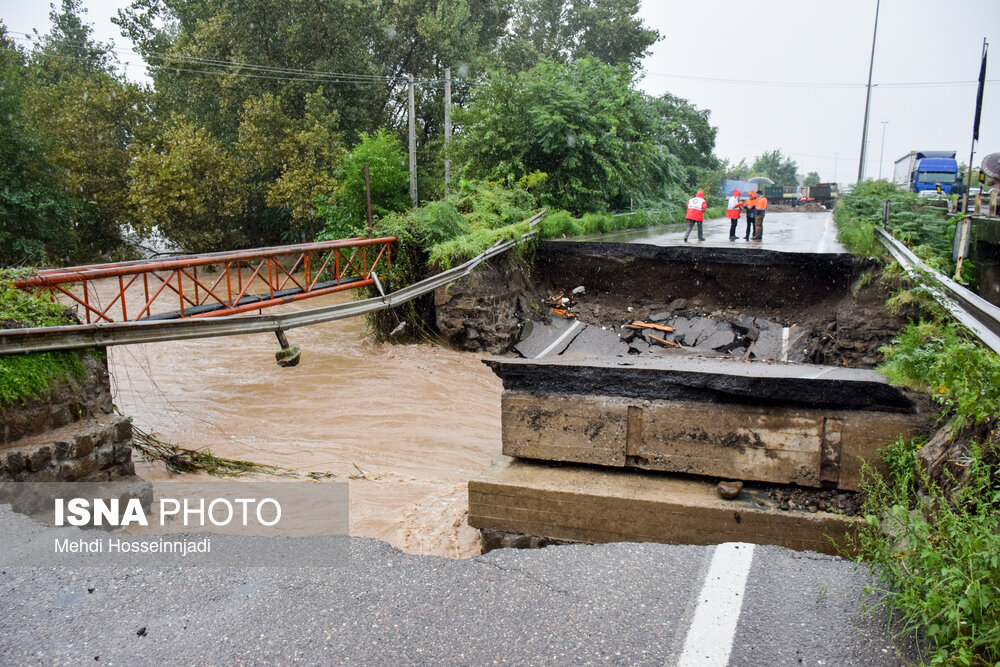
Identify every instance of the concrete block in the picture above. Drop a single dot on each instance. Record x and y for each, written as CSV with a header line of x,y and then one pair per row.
x,y
577,503
781,444
563,428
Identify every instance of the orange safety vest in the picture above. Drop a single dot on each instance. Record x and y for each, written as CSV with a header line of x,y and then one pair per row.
x,y
751,202
761,203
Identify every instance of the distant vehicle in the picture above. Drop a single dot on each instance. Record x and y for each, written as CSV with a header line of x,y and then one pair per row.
x,y
920,171
824,193
729,185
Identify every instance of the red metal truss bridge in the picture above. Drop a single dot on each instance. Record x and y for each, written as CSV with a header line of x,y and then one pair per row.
x,y
214,284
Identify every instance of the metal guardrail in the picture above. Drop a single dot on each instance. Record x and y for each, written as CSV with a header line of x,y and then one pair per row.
x,y
975,312
13,341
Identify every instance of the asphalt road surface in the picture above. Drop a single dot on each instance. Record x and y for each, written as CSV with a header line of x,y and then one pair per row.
x,y
600,604
788,232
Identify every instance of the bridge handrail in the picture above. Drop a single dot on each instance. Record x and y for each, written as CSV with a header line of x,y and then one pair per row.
x,y
975,312
14,341
49,277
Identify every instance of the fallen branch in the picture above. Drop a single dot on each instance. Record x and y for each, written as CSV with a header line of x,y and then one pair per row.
x,y
180,460
647,325
663,341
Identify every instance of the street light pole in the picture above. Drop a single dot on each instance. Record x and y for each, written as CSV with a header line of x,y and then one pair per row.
x,y
868,100
882,153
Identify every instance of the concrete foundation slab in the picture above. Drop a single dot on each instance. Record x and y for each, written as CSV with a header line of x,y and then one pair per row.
x,y
778,444
586,504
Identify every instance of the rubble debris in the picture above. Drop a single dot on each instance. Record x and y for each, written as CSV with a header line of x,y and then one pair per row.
x,y
664,342
647,325
729,490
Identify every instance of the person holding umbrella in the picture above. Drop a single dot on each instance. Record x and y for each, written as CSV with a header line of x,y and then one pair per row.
x,y
751,207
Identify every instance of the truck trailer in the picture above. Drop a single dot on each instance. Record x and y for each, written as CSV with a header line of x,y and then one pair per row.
x,y
926,170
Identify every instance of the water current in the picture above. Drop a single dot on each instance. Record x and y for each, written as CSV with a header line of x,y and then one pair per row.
x,y
406,425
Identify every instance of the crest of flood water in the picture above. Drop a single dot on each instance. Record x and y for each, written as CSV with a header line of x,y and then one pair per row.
x,y
406,425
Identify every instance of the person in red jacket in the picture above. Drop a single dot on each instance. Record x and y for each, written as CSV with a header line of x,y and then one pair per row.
x,y
733,213
696,214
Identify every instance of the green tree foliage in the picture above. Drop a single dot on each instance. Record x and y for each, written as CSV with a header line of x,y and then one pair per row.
x,y
582,124
779,168
811,179
562,31
311,153
36,217
389,181
190,189
89,116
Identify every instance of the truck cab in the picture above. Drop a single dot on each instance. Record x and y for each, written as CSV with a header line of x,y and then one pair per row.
x,y
922,171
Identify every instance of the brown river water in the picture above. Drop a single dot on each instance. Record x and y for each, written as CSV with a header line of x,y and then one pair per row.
x,y
406,425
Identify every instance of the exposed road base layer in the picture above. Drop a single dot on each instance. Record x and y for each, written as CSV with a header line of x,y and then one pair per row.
x,y
584,504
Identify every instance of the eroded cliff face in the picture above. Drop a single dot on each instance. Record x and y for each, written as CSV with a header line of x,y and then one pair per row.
x,y
484,311
72,434
831,308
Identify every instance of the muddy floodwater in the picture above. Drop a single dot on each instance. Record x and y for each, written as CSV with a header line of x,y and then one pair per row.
x,y
406,425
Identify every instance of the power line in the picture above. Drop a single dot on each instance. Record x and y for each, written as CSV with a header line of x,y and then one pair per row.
x,y
818,84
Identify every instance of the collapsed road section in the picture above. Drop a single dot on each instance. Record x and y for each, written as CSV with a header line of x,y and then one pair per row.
x,y
693,394
800,424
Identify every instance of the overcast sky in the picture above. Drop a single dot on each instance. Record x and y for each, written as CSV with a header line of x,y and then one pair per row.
x,y
787,74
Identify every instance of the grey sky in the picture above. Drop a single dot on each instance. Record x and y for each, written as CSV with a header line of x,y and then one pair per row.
x,y
716,53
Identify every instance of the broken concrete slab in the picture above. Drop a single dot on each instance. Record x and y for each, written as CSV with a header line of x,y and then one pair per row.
x,y
587,504
728,381
594,341
540,339
721,339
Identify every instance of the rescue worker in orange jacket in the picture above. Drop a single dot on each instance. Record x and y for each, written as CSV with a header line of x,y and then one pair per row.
x,y
758,226
751,206
733,213
696,208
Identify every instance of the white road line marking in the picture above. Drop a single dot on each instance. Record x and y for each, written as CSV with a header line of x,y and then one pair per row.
x,y
826,234
710,638
784,343
561,338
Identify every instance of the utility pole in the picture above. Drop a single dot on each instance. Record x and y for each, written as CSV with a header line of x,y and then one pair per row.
x,y
447,129
835,156
882,153
413,144
868,100
368,200
975,125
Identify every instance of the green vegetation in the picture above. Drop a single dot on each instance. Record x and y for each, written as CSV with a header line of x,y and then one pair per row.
x,y
934,541
262,116
27,376
917,223
938,553
941,359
